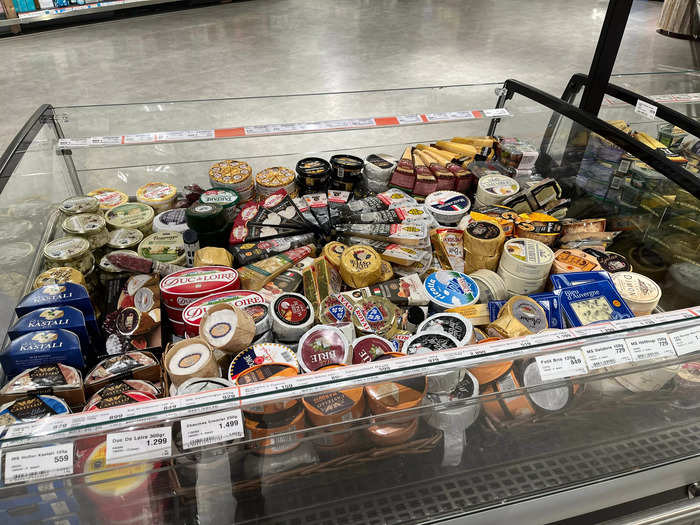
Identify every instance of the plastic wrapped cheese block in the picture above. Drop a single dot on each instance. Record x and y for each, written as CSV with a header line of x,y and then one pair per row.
x,y
54,376
31,408
114,366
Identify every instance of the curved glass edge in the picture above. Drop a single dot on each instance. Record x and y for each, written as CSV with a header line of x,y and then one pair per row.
x,y
684,323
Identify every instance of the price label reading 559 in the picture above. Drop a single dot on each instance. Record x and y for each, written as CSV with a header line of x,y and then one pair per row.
x,y
149,443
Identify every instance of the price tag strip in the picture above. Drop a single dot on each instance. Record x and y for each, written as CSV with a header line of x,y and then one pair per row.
x,y
136,445
39,463
686,341
281,129
256,393
655,346
680,98
606,354
561,364
211,428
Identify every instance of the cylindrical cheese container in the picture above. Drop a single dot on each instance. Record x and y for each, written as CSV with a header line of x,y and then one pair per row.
x,y
517,285
190,358
79,204
369,347
181,288
375,315
227,328
264,372
170,220
234,174
549,400
292,315
484,238
526,258
452,324
566,261
491,286
393,396
322,346
268,427
90,226
494,189
131,215
639,292
261,353
109,198
506,407
448,207
360,266
390,433
158,195
449,289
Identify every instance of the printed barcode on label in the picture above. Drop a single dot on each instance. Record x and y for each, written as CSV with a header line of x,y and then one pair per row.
x,y
655,346
606,354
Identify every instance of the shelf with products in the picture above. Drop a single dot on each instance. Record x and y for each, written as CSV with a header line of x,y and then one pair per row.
x,y
562,388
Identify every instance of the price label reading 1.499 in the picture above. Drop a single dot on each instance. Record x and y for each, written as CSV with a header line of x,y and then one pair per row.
x,y
211,428
561,364
149,443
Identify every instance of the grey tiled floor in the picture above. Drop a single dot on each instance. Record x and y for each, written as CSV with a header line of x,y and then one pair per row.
x,y
293,46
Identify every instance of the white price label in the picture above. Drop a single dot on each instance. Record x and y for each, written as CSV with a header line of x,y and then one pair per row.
x,y
645,109
149,443
686,341
650,347
39,463
561,364
606,354
496,112
138,138
210,429
409,119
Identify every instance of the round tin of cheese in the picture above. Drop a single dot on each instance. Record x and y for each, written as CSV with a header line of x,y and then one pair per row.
x,y
335,407
335,309
234,174
79,204
190,358
374,315
484,238
131,215
493,189
429,342
59,275
205,217
392,432
369,347
109,198
266,372
520,316
292,316
167,247
273,179
170,220
640,293
268,428
194,311
261,353
90,226
313,173
516,285
124,238
73,252
447,206
333,252
321,346
117,399
566,261
526,258
397,395
202,384
224,197
158,195
455,325
549,400
491,286
360,266
261,316
227,328
448,289
181,288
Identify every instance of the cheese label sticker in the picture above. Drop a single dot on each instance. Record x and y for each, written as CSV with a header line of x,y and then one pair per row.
x,y
374,315
338,311
656,346
606,354
561,364
292,309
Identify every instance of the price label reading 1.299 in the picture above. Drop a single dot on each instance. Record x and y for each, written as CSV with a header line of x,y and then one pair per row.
x,y
149,443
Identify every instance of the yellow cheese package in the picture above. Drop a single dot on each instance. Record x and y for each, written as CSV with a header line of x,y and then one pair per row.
x,y
256,275
449,248
360,266
211,256
538,226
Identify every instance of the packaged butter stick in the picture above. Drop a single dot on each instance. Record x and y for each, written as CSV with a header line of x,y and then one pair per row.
x,y
256,275
318,203
406,234
449,248
254,251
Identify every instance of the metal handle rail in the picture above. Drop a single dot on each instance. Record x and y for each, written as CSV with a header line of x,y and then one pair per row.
x,y
668,514
685,179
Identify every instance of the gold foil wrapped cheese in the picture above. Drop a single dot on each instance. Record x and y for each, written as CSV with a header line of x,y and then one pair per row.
x,y
333,251
360,266
520,316
59,275
211,256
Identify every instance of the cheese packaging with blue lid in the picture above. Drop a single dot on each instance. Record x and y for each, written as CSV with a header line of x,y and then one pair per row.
x,y
66,294
592,303
566,280
41,348
448,289
66,317
549,302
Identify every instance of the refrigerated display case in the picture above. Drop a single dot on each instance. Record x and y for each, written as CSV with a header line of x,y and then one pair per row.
x,y
535,429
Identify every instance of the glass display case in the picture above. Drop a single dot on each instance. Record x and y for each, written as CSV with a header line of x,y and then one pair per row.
x,y
534,425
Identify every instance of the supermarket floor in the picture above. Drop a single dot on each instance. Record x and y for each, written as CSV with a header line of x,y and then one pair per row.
x,y
294,46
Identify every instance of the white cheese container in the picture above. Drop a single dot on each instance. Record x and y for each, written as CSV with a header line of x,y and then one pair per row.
x,y
640,293
526,259
493,189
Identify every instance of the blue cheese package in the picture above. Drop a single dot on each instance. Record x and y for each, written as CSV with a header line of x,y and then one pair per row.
x,y
66,294
592,303
65,317
42,348
548,301
31,408
566,280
